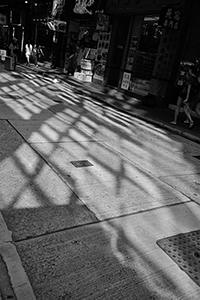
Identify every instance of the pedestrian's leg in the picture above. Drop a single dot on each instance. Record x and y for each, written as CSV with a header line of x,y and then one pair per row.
x,y
28,60
176,113
15,62
197,109
187,112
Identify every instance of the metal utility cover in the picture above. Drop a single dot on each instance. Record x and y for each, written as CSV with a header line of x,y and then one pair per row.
x,y
81,163
184,249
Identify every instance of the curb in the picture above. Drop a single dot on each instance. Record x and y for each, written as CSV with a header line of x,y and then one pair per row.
x,y
146,119
18,278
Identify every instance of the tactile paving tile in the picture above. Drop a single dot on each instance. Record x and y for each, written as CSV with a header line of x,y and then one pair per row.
x,y
184,249
81,163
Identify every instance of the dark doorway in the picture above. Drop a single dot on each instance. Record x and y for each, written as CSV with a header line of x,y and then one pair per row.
x,y
117,49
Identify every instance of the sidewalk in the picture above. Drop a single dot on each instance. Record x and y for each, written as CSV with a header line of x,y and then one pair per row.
x,y
132,106
109,95
105,248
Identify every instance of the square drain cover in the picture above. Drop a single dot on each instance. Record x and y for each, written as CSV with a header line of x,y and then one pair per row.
x,y
81,163
184,249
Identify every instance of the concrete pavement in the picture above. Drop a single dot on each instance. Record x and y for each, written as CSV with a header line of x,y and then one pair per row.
x,y
112,252
131,105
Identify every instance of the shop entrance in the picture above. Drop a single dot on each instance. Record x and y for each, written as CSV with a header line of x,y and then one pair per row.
x,y
142,52
121,32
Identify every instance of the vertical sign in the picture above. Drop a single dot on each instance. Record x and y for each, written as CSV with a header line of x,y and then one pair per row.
x,y
126,81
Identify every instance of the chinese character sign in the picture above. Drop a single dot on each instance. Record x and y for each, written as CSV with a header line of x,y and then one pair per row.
x,y
170,17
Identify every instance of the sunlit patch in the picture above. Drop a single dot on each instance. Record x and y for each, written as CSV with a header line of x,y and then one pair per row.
x,y
8,77
28,159
72,113
3,80
39,81
34,83
41,96
27,88
57,124
66,99
34,108
20,110
14,87
27,199
59,200
39,140
6,89
51,134
12,181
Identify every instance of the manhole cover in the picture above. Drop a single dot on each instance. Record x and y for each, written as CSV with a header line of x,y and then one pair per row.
x,y
81,163
184,249
197,156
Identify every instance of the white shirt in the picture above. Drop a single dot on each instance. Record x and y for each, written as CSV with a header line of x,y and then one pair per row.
x,y
28,49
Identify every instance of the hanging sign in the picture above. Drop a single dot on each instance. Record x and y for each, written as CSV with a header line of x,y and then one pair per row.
x,y
82,5
126,81
57,9
102,22
170,17
57,25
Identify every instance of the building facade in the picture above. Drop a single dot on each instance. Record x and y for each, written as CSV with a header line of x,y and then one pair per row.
x,y
149,40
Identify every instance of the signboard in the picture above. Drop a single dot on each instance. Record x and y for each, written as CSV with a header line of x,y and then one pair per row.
x,y
139,5
102,22
81,7
57,25
57,8
101,55
126,81
170,17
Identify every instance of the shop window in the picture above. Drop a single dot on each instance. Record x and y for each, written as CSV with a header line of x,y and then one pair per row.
x,y
150,36
148,43
142,51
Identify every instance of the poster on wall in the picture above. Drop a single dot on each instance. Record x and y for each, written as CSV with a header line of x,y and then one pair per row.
x,y
102,22
126,81
101,55
170,17
131,52
57,25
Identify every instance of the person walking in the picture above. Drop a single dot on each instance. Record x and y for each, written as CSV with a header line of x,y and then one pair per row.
x,y
28,52
35,55
14,49
183,98
40,53
194,103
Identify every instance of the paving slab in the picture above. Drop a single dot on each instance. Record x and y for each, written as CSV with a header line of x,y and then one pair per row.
x,y
6,289
13,109
34,199
188,184
114,185
52,129
117,259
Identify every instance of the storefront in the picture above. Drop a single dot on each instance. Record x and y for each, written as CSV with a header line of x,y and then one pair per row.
x,y
87,47
151,47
